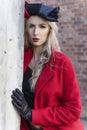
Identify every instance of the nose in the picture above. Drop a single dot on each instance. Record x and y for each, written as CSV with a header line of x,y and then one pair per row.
x,y
36,30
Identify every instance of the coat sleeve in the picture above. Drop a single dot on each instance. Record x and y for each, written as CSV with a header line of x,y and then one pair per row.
x,y
70,108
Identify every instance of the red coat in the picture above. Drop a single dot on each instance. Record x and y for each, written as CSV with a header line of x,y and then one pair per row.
x,y
57,104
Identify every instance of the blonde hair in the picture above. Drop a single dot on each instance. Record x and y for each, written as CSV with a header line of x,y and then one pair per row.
x,y
52,42
52,39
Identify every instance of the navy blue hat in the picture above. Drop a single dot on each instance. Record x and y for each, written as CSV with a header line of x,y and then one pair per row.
x,y
47,12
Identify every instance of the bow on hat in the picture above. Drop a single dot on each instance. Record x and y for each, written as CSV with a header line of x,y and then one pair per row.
x,y
47,12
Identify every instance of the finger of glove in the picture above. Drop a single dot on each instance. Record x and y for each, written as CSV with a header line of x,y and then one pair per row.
x,y
19,98
16,105
21,108
19,92
16,94
16,100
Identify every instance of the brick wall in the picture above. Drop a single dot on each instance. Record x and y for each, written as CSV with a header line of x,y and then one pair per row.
x,y
73,39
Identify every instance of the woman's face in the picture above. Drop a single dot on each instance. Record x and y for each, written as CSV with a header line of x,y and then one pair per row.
x,y
38,30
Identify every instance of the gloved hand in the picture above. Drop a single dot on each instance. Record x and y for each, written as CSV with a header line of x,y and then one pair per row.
x,y
18,100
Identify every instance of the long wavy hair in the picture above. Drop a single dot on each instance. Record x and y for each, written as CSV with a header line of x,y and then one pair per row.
x,y
52,42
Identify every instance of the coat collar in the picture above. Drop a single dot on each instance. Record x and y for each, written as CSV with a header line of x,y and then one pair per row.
x,y
47,72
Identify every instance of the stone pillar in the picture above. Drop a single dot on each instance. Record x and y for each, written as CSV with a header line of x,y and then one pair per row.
x,y
11,60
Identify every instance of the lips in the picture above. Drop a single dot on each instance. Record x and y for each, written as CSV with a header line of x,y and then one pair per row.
x,y
35,39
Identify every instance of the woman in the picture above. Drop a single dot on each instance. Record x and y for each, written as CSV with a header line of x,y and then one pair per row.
x,y
50,97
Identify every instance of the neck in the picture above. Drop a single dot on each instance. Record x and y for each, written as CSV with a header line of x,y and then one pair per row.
x,y
36,52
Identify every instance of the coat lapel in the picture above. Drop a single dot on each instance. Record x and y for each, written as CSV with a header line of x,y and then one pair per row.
x,y
46,74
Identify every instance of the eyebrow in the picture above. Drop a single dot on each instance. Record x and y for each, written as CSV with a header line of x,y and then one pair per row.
x,y
39,24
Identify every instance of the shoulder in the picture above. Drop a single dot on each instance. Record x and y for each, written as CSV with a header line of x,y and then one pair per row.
x,y
62,61
60,57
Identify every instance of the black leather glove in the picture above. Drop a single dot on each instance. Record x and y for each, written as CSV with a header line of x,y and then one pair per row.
x,y
18,100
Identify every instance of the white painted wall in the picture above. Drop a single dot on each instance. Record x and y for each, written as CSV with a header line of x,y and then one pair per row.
x,y
11,59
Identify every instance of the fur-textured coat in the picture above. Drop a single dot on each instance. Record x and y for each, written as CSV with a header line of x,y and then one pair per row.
x,y
57,104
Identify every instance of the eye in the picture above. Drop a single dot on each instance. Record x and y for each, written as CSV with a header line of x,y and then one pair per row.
x,y
42,26
31,26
